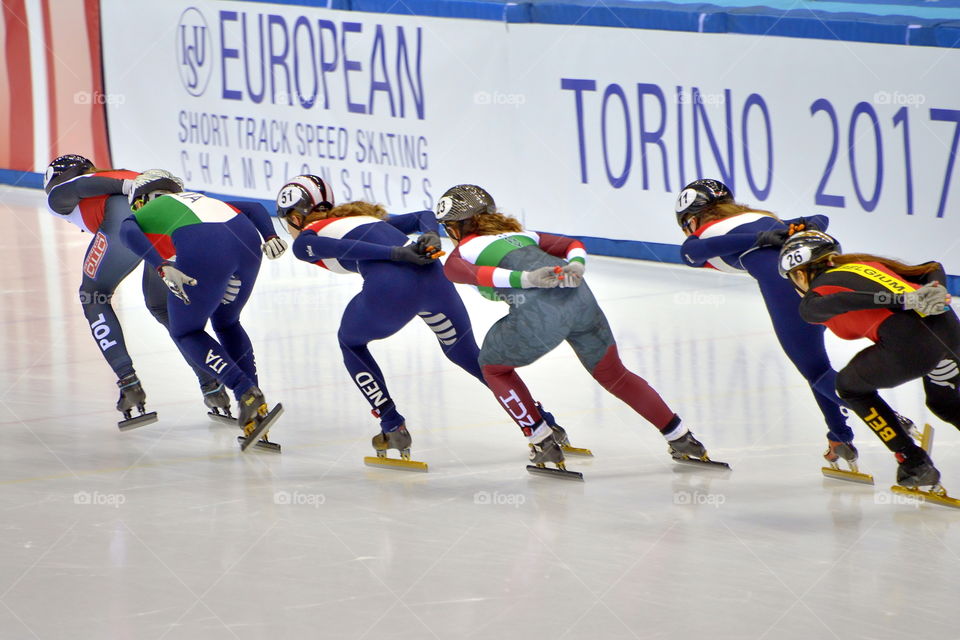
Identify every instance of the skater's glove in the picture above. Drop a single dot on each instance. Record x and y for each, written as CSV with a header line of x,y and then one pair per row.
x,y
126,187
571,275
428,244
409,253
176,280
931,299
542,278
772,238
273,248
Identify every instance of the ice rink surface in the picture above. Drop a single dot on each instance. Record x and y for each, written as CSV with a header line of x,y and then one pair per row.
x,y
169,532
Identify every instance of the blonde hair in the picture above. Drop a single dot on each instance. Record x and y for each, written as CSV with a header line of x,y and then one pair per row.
x,y
723,210
489,224
348,210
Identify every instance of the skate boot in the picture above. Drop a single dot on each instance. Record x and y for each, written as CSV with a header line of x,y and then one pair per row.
x,y
549,450
218,401
132,395
398,439
910,428
256,420
846,451
561,434
916,470
688,450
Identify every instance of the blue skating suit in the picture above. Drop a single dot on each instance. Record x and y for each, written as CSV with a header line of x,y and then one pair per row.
x,y
729,245
393,294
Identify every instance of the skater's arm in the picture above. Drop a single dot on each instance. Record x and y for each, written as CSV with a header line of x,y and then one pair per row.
x,y
258,216
563,247
817,222
310,247
64,197
696,251
457,269
133,237
826,301
418,221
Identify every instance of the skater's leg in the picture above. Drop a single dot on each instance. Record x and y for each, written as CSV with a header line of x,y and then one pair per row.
x,y
803,343
155,298
513,341
594,345
448,319
367,318
106,263
226,319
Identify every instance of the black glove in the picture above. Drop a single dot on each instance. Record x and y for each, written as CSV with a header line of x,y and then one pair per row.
x,y
772,238
428,244
409,253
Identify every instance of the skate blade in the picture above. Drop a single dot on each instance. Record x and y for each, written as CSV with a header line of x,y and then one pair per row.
x,y
705,463
395,463
927,496
265,445
848,476
254,436
139,421
926,438
222,418
550,472
576,451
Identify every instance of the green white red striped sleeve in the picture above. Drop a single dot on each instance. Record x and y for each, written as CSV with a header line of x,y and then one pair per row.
x,y
562,247
458,269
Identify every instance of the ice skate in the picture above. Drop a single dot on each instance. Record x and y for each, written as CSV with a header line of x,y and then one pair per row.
x,y
916,470
549,450
561,435
845,451
218,401
256,420
688,450
398,439
911,428
132,395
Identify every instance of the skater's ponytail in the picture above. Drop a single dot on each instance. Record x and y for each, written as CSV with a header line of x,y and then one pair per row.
x,y
347,210
722,210
900,268
489,224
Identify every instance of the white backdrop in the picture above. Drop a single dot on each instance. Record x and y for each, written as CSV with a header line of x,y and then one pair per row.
x,y
581,130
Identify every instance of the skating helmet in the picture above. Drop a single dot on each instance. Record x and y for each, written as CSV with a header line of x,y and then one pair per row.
x,y
697,196
804,248
153,183
65,168
304,194
464,201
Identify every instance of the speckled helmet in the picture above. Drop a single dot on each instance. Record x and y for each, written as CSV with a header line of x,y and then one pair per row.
x,y
464,201
150,182
697,196
804,248
65,168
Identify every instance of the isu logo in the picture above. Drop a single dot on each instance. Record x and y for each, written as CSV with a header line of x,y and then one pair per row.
x,y
98,248
194,51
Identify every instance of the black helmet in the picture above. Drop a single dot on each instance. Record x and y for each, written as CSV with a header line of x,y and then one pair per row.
x,y
698,195
802,249
303,194
153,182
464,201
65,168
